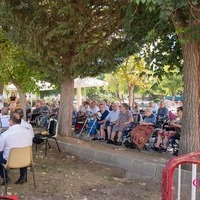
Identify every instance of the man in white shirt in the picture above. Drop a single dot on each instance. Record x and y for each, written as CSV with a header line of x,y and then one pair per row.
x,y
15,137
110,120
24,123
93,108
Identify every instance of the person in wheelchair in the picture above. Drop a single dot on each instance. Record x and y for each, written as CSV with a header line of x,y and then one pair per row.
x,y
162,114
84,111
124,121
172,130
150,118
101,116
110,120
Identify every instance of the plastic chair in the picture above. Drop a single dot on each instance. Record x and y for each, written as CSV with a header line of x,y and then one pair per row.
x,y
19,158
52,132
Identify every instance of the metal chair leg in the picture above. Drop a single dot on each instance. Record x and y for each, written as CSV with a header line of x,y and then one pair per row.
x,y
33,173
48,143
57,144
45,147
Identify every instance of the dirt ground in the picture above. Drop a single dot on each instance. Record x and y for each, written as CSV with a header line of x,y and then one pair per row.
x,y
62,176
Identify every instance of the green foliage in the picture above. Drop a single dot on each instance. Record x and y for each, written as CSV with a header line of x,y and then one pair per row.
x,y
76,38
170,84
14,68
132,72
115,86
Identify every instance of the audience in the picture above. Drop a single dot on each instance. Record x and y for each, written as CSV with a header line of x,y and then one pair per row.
x,y
150,118
135,108
162,113
153,107
93,108
15,136
101,115
85,110
110,121
175,127
23,122
124,121
4,119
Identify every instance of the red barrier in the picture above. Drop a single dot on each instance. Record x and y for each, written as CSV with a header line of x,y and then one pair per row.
x,y
168,172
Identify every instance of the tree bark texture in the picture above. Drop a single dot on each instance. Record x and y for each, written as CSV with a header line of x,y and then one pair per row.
x,y
131,95
66,107
22,100
190,131
1,88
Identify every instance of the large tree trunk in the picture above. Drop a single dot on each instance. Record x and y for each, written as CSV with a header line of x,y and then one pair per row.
x,y
1,88
191,120
131,95
190,134
22,100
66,107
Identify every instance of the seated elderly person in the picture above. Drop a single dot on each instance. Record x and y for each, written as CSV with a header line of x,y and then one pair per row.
x,y
110,121
162,113
15,137
93,108
37,109
85,110
175,127
5,117
150,118
154,107
124,121
45,112
101,115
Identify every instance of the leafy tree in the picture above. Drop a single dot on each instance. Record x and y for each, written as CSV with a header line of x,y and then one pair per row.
x,y
115,86
14,69
69,39
172,85
181,22
133,73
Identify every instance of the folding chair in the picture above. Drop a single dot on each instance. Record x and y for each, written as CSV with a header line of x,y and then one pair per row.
x,y
52,132
19,158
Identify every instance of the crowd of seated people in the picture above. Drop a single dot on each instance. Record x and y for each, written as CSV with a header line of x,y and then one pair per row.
x,y
101,116
173,129
162,113
110,121
43,110
113,119
124,121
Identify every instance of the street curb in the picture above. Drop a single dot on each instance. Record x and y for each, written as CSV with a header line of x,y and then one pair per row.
x,y
138,167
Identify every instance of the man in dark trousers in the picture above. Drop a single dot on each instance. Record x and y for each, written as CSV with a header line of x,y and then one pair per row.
x,y
15,137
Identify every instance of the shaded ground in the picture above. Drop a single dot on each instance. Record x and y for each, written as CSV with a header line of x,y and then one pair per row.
x,y
62,176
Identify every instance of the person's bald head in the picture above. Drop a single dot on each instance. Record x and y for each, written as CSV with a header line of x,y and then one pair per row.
x,y
15,118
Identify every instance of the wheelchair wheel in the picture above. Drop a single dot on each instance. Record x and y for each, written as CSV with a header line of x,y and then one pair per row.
x,y
175,146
